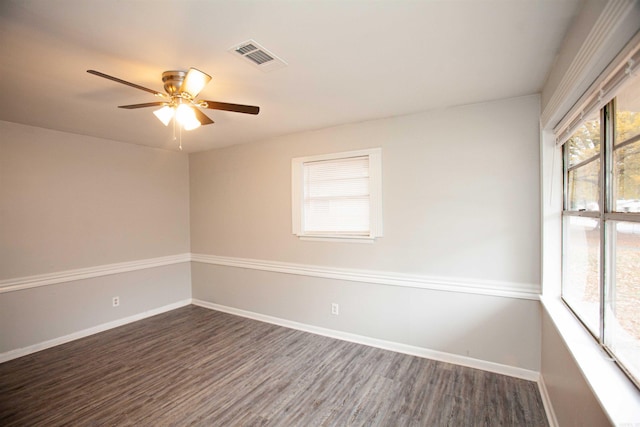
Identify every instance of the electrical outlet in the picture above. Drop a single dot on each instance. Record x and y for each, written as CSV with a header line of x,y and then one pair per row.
x,y
116,301
335,309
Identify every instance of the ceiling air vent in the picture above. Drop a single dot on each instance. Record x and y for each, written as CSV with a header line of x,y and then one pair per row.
x,y
257,56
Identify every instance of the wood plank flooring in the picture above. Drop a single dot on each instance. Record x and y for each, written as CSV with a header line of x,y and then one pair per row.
x,y
195,366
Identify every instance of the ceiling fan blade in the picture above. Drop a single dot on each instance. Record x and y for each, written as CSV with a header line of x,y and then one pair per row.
x,y
202,117
194,82
146,104
248,109
124,82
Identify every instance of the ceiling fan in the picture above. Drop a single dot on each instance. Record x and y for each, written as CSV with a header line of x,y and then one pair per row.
x,y
179,102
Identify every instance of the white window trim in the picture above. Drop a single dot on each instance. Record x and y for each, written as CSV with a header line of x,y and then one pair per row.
x,y
375,195
616,393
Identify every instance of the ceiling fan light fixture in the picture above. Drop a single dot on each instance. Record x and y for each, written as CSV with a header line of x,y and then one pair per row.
x,y
187,117
191,124
164,114
180,103
194,82
184,113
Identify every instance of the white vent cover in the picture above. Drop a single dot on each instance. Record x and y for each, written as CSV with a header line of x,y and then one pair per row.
x,y
257,56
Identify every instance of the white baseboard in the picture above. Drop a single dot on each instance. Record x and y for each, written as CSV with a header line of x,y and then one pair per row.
x,y
14,354
546,402
378,343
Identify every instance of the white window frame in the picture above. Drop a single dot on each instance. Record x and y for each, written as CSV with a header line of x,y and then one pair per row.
x,y
375,196
604,216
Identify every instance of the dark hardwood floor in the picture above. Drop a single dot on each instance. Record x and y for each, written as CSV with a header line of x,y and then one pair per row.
x,y
195,366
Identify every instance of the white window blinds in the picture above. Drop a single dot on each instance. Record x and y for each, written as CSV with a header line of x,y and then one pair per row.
x,y
603,90
336,196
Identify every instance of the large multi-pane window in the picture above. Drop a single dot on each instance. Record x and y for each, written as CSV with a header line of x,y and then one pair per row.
x,y
601,226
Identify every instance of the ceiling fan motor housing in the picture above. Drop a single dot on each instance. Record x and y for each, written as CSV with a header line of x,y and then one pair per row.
x,y
173,80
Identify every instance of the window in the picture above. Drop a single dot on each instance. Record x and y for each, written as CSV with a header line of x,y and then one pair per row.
x,y
338,196
601,226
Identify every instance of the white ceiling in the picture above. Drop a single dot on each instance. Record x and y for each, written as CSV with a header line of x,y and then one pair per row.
x,y
349,61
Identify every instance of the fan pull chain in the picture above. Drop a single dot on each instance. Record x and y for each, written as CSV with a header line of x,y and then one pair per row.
x,y
174,129
179,134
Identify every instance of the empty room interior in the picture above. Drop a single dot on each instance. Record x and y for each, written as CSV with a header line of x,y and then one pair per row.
x,y
278,212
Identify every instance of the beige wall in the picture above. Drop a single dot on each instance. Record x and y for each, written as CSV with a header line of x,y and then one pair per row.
x,y
488,328
460,200
70,201
33,316
460,195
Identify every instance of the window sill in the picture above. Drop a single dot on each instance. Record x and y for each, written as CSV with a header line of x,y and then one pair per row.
x,y
617,395
337,239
